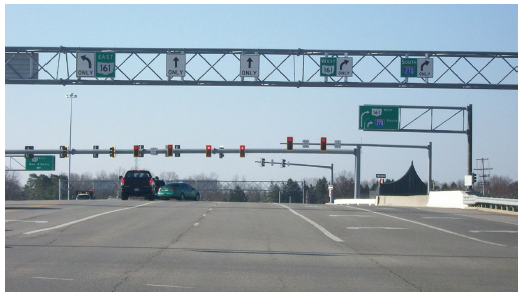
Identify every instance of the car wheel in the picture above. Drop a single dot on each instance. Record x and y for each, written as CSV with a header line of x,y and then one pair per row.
x,y
182,197
197,197
124,197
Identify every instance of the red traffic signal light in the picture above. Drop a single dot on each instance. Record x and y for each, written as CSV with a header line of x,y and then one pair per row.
x,y
242,151
135,152
323,144
289,143
169,150
208,151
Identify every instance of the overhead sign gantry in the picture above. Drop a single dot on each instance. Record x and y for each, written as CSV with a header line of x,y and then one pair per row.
x,y
260,67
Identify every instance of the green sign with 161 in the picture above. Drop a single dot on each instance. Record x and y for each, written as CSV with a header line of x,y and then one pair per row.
x,y
374,117
105,64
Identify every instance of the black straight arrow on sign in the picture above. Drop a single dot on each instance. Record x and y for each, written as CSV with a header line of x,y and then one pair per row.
x,y
84,57
176,60
249,62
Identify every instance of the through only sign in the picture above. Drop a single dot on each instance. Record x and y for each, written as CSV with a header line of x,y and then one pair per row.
x,y
175,65
250,65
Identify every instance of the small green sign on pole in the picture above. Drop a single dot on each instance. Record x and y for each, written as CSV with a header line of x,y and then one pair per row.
x,y
105,64
40,163
377,117
327,66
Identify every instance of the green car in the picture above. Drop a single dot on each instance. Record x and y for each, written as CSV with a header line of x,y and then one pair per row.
x,y
178,190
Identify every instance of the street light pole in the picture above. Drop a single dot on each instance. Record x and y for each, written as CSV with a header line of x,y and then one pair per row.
x,y
71,96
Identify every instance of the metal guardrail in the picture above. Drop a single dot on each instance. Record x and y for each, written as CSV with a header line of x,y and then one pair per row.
x,y
494,203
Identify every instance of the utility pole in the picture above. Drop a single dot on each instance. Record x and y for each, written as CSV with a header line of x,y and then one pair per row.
x,y
483,176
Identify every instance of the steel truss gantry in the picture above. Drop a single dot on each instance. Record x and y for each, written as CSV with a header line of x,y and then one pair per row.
x,y
278,67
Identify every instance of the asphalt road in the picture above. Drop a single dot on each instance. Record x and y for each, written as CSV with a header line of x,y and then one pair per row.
x,y
113,245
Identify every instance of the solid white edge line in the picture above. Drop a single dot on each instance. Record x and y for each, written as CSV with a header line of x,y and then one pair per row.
x,y
323,230
82,219
430,226
44,278
170,286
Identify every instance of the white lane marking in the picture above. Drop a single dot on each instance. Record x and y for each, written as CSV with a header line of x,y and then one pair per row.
x,y
494,231
376,227
169,286
430,226
471,216
196,224
82,219
32,221
44,278
442,217
210,209
204,215
350,216
323,230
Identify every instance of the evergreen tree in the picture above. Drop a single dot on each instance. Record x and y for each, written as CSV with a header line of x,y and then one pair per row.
x,y
238,195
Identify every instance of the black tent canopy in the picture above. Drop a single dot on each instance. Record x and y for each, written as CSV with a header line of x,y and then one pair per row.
x,y
410,184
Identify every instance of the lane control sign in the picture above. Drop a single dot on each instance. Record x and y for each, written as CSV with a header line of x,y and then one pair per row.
x,y
175,65
250,65
85,64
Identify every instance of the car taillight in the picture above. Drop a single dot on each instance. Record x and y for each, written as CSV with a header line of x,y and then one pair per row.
x,y
122,180
175,190
150,181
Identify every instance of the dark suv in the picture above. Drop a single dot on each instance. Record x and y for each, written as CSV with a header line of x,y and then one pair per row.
x,y
137,183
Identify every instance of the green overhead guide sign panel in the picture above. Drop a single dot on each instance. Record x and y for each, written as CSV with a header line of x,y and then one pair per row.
x,y
378,117
40,163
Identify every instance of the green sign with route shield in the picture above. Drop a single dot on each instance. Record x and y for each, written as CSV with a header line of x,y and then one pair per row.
x,y
409,67
374,117
328,66
105,64
40,163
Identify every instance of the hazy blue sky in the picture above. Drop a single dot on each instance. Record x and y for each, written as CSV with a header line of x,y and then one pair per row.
x,y
259,117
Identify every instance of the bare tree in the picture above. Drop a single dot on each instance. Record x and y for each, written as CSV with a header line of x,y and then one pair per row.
x,y
13,188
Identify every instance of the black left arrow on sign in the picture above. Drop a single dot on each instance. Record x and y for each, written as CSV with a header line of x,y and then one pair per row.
x,y
249,62
426,63
84,57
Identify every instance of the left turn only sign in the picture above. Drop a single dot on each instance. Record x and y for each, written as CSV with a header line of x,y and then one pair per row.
x,y
96,64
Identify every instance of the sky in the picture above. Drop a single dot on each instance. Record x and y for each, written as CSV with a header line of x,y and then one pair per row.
x,y
259,117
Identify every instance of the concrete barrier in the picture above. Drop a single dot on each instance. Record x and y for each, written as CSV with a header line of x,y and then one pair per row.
x,y
355,202
406,201
447,199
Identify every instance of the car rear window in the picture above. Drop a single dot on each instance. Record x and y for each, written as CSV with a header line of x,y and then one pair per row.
x,y
173,185
140,174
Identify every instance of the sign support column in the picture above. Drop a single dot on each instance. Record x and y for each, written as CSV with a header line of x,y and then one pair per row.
x,y
357,173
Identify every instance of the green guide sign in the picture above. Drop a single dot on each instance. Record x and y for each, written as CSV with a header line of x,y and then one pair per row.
x,y
375,117
40,163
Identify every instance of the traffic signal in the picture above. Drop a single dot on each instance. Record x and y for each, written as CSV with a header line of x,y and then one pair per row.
x,y
178,147
474,178
242,151
208,151
96,147
169,150
29,147
323,144
221,155
262,162
289,143
64,151
135,151
283,163
112,152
